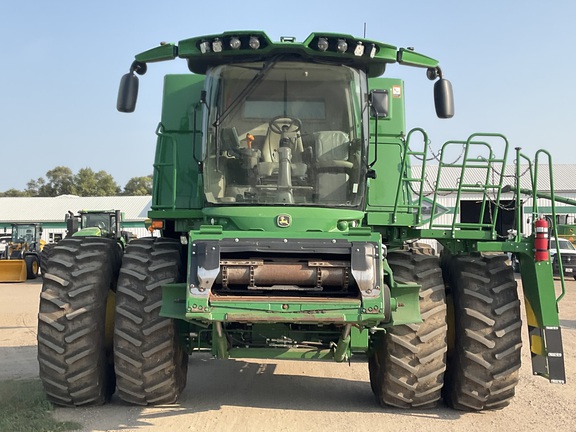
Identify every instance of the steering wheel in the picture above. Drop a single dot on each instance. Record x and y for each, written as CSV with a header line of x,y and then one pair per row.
x,y
102,225
283,124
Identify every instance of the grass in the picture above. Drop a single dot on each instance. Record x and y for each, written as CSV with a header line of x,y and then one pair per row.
x,y
24,408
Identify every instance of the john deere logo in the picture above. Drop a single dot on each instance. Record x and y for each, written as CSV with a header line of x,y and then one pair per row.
x,y
283,220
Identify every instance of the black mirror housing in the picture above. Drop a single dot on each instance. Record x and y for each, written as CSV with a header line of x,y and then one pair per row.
x,y
379,103
127,93
443,99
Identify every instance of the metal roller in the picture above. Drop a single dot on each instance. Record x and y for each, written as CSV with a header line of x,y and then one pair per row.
x,y
254,273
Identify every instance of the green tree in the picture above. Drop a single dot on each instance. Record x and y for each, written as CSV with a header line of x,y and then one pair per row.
x,y
60,181
14,193
106,184
86,183
89,183
33,187
138,186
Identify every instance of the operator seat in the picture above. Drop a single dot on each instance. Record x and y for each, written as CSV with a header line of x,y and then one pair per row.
x,y
332,150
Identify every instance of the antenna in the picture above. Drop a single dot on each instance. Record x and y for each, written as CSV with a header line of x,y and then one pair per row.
x,y
364,30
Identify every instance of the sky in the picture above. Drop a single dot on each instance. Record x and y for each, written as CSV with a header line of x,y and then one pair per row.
x,y
511,64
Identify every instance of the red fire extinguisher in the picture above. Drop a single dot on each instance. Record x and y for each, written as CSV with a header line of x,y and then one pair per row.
x,y
541,240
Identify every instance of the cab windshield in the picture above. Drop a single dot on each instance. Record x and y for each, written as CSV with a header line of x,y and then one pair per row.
x,y
23,233
562,244
285,132
99,220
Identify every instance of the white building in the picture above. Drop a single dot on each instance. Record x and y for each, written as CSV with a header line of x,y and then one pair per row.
x,y
50,212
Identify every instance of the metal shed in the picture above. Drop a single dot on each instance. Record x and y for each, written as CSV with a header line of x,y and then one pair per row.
x,y
50,212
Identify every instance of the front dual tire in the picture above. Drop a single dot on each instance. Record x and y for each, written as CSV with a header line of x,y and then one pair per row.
x,y
467,348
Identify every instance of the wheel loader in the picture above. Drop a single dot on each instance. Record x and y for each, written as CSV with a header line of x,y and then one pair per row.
x,y
290,205
20,259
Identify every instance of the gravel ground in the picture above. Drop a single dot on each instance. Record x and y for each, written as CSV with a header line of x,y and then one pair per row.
x,y
257,395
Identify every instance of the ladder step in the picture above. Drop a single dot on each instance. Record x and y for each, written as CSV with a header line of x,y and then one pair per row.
x,y
549,363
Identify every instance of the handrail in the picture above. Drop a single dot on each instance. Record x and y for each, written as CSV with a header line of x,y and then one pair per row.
x,y
533,170
406,181
488,163
161,136
555,227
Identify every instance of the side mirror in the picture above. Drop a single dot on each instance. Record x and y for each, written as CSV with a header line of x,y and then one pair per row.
x,y
443,99
127,93
379,103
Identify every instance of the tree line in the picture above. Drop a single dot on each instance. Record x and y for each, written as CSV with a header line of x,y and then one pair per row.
x,y
62,181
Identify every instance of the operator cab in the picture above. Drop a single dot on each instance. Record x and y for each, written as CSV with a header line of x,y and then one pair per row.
x,y
285,132
24,233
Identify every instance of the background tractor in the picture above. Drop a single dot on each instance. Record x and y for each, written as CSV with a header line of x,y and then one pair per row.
x,y
20,259
93,223
290,216
98,223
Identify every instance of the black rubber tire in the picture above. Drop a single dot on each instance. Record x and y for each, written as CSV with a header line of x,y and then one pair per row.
x,y
407,363
484,356
151,365
374,370
45,254
32,266
74,354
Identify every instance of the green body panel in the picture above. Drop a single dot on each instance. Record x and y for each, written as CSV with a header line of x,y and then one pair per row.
x,y
88,232
303,220
176,183
388,133
215,129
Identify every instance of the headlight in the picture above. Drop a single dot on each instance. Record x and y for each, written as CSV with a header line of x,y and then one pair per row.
x,y
322,44
217,45
359,50
235,43
204,47
341,46
254,42
373,51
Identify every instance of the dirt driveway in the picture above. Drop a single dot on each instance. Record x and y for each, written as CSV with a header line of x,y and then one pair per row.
x,y
255,395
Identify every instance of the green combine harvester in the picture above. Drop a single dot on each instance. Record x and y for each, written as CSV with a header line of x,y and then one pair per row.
x,y
288,214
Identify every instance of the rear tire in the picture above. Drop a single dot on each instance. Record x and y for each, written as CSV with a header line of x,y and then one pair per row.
x,y
45,254
73,353
151,365
484,361
407,363
32,266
